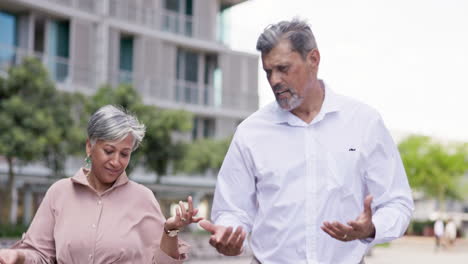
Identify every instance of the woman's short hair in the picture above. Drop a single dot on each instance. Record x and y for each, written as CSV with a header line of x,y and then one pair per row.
x,y
112,123
296,31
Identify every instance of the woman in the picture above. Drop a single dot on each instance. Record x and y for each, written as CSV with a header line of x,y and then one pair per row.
x,y
99,215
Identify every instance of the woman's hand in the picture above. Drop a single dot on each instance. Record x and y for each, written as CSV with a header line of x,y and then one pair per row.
x,y
11,256
183,216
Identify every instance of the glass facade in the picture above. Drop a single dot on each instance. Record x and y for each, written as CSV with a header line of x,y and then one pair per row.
x,y
178,16
187,76
126,59
8,39
58,46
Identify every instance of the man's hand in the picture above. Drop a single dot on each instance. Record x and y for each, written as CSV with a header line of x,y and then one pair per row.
x,y
360,228
10,256
223,238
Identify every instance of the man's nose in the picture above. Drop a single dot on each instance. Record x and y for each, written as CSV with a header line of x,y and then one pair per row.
x,y
275,79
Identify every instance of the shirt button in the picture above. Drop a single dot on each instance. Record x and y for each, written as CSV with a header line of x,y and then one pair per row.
x,y
94,226
99,202
90,256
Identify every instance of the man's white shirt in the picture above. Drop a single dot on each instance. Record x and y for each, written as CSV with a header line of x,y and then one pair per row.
x,y
282,178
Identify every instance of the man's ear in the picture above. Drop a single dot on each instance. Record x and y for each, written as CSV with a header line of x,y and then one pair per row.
x,y
313,58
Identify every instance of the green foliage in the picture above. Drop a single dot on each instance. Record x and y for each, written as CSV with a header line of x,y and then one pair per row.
x,y
158,148
12,231
417,227
35,118
434,168
204,154
35,122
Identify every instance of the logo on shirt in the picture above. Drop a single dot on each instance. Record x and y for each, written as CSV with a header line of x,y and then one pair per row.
x,y
351,149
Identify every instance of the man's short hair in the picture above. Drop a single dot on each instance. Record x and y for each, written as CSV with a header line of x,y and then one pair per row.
x,y
297,31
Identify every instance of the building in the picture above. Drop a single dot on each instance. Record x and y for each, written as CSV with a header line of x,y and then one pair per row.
x,y
174,52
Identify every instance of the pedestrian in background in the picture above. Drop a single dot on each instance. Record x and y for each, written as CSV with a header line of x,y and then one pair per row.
x,y
438,233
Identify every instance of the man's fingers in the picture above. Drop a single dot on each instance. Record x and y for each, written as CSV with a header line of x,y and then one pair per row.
x,y
224,237
208,226
339,228
232,241
331,233
196,219
367,204
240,240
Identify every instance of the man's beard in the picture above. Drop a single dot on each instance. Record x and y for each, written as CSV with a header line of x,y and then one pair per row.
x,y
288,103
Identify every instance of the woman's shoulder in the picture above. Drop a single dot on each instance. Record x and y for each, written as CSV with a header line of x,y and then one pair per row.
x,y
140,189
60,186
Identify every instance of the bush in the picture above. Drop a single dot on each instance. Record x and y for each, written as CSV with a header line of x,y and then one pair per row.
x,y
12,231
417,227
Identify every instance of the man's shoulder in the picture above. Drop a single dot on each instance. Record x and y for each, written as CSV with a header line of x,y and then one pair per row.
x,y
264,115
356,107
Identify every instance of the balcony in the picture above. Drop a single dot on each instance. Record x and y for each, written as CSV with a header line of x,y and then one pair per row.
x,y
177,23
83,5
60,69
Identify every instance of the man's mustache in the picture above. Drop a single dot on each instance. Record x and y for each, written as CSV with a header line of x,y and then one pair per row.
x,y
280,87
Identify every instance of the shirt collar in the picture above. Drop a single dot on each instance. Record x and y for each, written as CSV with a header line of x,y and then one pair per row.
x,y
81,178
331,103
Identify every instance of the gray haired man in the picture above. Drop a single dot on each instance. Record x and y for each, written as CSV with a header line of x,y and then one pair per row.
x,y
314,177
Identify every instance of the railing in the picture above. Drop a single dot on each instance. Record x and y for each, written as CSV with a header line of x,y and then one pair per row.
x,y
71,77
153,18
11,56
193,93
59,68
177,23
84,5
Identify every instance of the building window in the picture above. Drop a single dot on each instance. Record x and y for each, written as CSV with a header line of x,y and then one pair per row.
x,y
8,40
199,78
224,25
126,59
187,77
203,127
210,78
178,16
58,46
39,35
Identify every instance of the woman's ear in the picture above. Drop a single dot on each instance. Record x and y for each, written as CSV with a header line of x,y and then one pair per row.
x,y
88,147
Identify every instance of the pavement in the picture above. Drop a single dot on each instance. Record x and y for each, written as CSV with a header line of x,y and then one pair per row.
x,y
406,250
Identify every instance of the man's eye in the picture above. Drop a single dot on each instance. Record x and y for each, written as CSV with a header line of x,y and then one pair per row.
x,y
108,151
124,155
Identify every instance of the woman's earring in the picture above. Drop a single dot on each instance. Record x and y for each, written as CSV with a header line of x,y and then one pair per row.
x,y
88,162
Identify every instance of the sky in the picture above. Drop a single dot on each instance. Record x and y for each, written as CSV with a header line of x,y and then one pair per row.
x,y
406,58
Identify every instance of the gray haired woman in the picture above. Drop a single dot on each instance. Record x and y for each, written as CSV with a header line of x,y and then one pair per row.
x,y
99,215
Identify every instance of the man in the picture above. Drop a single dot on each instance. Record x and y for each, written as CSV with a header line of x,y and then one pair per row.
x,y
314,177
438,232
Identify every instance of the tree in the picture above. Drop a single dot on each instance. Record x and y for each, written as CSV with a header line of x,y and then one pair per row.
x,y
158,148
434,168
35,123
203,155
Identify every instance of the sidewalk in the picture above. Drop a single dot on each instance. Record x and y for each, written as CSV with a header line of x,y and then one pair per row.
x,y
420,250
407,250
